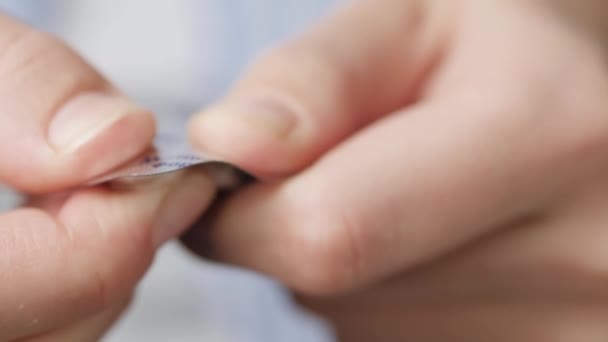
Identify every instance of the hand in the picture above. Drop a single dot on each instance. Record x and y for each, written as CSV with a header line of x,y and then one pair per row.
x,y
69,262
439,170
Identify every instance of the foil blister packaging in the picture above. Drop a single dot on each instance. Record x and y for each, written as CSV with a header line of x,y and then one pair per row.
x,y
171,154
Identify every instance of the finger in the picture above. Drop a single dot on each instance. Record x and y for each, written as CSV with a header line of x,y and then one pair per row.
x,y
90,329
474,319
299,100
538,265
61,123
100,242
533,258
395,196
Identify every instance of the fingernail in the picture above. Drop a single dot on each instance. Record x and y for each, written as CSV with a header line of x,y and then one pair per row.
x,y
266,117
85,117
188,197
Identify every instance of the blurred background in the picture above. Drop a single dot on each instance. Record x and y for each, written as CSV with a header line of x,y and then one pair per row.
x,y
175,56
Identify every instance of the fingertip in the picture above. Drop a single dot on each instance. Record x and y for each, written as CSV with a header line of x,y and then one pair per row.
x,y
263,139
79,151
281,233
191,195
122,140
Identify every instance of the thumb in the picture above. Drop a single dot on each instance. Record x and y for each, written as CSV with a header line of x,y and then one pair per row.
x,y
61,123
301,99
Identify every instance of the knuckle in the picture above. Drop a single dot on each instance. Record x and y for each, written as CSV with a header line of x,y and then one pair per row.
x,y
25,50
326,259
112,263
590,130
296,65
562,261
584,110
37,64
588,270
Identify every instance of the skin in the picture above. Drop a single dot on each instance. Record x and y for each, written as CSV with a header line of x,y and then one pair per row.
x,y
382,211
70,257
433,170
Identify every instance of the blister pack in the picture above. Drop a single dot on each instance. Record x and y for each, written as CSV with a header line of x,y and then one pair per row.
x,y
172,154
